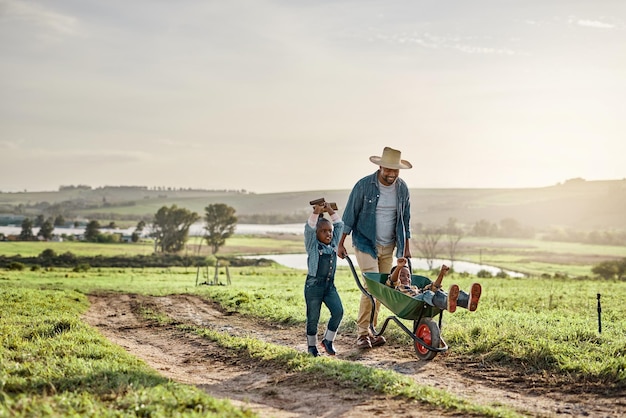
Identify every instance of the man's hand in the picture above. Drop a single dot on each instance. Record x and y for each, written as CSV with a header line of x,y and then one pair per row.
x,y
341,251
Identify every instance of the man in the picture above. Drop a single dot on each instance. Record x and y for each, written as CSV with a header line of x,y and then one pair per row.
x,y
378,215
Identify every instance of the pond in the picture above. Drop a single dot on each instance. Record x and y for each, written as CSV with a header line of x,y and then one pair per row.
x,y
298,261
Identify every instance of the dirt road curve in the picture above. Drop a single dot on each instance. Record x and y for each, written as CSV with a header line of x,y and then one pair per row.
x,y
189,359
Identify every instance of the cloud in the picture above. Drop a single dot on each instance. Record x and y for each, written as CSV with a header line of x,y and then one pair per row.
x,y
465,44
8,145
594,24
53,24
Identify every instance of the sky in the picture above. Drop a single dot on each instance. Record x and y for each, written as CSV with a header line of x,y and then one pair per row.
x,y
276,96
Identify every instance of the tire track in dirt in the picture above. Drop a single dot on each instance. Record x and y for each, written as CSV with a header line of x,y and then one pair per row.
x,y
192,360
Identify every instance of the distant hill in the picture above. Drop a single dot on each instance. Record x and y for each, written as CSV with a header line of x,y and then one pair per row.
x,y
577,204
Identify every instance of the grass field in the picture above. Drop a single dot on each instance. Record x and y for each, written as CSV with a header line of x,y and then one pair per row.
x,y
535,324
517,316
54,365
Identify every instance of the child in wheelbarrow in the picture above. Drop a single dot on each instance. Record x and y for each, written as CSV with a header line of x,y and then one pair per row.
x,y
400,279
320,239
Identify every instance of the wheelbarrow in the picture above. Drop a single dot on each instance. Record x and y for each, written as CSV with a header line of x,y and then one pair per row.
x,y
426,332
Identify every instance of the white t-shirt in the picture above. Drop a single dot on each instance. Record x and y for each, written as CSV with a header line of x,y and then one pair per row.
x,y
386,215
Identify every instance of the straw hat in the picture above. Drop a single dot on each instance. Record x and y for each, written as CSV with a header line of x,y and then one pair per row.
x,y
390,159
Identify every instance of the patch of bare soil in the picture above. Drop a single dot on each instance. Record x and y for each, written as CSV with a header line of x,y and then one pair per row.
x,y
249,383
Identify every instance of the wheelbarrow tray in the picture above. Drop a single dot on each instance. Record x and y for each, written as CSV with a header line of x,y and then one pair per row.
x,y
401,304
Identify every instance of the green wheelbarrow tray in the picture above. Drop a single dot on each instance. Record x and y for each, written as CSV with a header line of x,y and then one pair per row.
x,y
401,304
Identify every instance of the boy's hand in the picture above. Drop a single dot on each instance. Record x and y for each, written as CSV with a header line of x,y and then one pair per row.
x,y
319,208
329,208
401,262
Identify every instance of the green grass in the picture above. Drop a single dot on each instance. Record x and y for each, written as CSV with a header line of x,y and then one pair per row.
x,y
55,365
536,257
358,377
52,364
34,248
538,324
236,245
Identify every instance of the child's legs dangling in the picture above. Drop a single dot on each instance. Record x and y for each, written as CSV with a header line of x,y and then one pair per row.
x,y
470,300
463,300
438,299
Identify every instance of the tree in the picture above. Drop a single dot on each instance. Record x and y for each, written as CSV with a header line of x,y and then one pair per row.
x,y
484,228
39,220
454,234
27,230
613,269
92,231
138,230
170,228
59,220
428,243
220,224
46,229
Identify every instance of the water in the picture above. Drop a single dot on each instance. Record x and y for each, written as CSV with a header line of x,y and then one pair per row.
x,y
298,261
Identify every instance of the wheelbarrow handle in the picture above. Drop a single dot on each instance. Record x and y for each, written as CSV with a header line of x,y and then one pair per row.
x,y
356,276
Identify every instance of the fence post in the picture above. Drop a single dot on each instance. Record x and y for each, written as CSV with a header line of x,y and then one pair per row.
x,y
599,315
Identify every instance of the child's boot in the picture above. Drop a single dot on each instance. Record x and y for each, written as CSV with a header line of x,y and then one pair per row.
x,y
327,342
312,343
474,296
453,295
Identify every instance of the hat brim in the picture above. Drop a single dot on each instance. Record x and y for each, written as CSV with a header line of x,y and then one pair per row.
x,y
401,165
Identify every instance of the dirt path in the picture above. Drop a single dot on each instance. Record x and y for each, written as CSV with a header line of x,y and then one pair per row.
x,y
193,360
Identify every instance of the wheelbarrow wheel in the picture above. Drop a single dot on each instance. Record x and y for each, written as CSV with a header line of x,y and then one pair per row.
x,y
428,331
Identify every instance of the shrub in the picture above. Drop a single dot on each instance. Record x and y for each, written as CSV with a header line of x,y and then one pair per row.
x,y
81,268
484,274
16,266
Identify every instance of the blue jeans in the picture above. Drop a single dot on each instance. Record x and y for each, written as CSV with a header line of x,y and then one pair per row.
x,y
439,299
316,292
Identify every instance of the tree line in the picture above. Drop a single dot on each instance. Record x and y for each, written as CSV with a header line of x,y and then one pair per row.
x,y
169,228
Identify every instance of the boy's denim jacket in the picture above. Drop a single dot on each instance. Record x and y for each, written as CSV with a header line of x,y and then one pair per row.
x,y
315,249
359,216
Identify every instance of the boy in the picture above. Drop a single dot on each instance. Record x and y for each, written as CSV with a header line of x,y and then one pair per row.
x,y
400,279
320,240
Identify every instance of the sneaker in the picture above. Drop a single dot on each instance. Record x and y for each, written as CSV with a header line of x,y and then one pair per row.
x,y
474,296
377,340
453,295
313,351
329,347
363,342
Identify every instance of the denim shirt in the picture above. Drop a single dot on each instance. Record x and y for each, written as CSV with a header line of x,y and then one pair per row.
x,y
359,215
315,248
